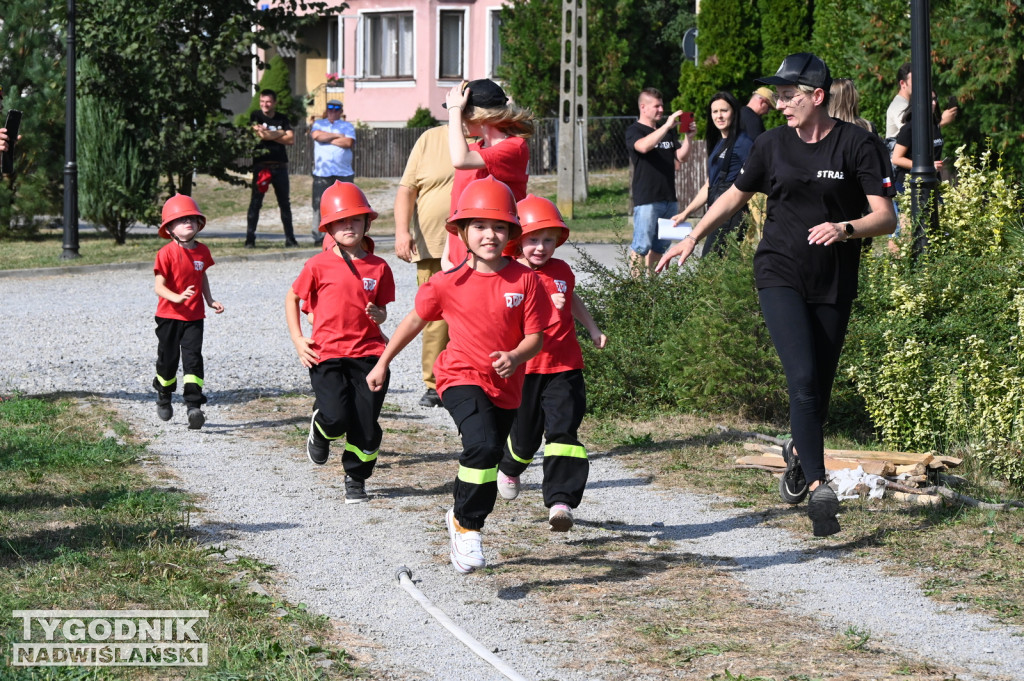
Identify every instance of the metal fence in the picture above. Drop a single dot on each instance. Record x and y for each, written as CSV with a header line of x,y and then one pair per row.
x,y
382,152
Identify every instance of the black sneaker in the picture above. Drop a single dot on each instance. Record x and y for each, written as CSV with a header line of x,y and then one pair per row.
x,y
196,418
355,491
430,399
318,448
793,485
164,410
291,243
822,508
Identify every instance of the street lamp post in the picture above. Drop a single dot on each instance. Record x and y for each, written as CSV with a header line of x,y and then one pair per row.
x,y
70,166
923,180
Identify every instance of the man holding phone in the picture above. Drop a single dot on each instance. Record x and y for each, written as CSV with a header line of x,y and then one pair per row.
x,y
655,151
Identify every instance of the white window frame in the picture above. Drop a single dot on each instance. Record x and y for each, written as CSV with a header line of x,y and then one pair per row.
x,y
464,52
361,44
336,45
493,15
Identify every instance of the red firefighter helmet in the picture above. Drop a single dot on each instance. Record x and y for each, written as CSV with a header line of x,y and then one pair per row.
x,y
486,198
179,206
342,200
537,213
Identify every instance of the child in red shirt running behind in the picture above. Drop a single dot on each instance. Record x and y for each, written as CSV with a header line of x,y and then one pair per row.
x,y
179,275
496,312
347,290
554,395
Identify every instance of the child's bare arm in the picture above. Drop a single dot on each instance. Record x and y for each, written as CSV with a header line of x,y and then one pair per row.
x,y
580,312
160,288
407,329
303,345
217,307
505,363
378,314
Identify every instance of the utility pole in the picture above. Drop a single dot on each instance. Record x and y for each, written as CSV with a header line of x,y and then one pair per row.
x,y
70,164
572,108
923,181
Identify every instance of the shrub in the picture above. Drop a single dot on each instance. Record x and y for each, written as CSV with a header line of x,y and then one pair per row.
x,y
421,119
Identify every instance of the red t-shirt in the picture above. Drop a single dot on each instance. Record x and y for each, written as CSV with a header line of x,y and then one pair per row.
x,y
561,350
183,267
486,312
506,161
337,298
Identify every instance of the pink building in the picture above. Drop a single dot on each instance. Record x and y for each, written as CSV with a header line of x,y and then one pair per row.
x,y
393,56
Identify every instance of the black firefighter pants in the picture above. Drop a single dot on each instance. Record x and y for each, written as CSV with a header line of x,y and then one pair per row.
x,y
346,407
553,404
484,428
182,340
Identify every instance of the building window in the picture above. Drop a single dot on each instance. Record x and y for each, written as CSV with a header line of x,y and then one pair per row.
x,y
495,40
335,63
388,45
451,44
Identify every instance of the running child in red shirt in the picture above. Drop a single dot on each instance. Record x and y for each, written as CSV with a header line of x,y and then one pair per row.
x,y
554,394
180,274
496,311
347,290
481,109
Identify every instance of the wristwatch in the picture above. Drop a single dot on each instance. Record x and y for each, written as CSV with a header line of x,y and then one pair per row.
x,y
848,226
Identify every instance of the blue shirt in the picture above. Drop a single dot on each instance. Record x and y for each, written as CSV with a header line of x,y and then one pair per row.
x,y
328,159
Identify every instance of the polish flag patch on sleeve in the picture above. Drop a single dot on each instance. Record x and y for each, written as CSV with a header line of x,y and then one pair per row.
x,y
886,182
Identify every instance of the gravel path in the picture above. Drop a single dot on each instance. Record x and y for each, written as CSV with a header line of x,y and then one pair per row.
x,y
270,503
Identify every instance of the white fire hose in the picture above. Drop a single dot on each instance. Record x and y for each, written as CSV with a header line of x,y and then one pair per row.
x,y
404,576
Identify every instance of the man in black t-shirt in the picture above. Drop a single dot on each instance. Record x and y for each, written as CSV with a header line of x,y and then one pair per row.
x,y
270,166
655,152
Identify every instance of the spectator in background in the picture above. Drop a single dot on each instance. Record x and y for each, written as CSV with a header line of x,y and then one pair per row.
x,y
654,151
421,213
270,166
901,102
762,100
333,141
844,104
728,149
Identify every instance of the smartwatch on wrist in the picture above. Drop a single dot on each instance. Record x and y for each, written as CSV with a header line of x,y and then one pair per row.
x,y
848,226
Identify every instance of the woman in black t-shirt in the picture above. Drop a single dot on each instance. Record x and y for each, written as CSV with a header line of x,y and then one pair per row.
x,y
819,174
728,149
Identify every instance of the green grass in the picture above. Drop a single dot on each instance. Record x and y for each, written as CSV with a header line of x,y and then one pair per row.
x,y
82,527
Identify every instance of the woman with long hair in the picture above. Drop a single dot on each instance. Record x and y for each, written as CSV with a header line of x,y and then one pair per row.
x,y
728,149
844,103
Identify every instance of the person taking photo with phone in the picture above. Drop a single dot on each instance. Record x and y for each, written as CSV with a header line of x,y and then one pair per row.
x,y
655,151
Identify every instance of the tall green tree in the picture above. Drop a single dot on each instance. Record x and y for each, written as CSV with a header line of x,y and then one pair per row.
x,y
32,75
728,52
171,65
117,188
630,45
785,29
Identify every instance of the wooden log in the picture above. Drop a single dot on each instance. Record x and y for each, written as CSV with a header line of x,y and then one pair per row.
x,y
778,463
763,448
893,457
918,499
913,469
950,461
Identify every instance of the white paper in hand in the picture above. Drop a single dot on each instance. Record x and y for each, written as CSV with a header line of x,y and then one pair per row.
x,y
666,230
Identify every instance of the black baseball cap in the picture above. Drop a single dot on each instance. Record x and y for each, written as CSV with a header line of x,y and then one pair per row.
x,y
802,68
486,94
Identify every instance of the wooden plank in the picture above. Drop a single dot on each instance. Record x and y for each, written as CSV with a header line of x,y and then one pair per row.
x,y
777,462
892,457
762,460
763,448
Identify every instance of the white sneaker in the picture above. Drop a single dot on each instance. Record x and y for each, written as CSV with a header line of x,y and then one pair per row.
x,y
560,518
508,486
467,548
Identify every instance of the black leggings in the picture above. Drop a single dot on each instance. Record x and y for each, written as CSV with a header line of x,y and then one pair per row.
x,y
808,338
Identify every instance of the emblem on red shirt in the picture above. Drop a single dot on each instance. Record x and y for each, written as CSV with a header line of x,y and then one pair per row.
x,y
369,284
513,299
199,264
560,286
